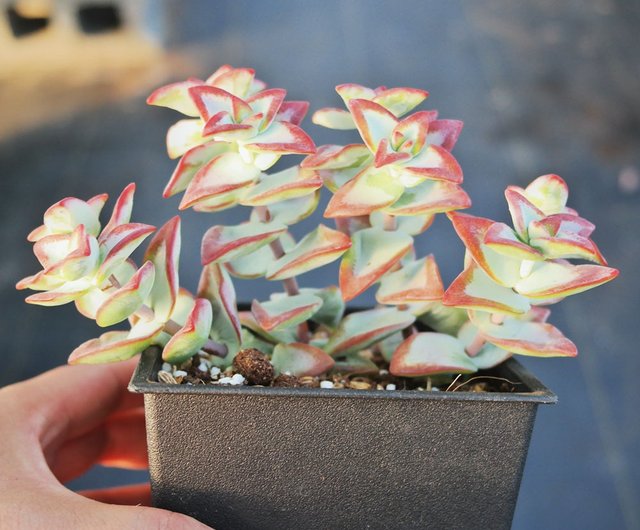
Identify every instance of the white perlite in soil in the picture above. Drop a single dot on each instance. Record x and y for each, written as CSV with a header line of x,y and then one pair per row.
x,y
174,375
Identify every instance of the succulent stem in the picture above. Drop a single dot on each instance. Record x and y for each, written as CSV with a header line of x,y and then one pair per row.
x,y
389,223
476,345
290,284
409,332
478,341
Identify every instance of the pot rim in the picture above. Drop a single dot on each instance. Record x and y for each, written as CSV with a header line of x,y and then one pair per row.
x,y
143,381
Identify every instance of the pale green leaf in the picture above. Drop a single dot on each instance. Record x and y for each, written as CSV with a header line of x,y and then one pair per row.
x,y
300,359
285,311
358,331
428,353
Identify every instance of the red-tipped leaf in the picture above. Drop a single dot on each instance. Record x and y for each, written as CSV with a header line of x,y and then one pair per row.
x,y
164,252
224,243
373,253
300,359
425,354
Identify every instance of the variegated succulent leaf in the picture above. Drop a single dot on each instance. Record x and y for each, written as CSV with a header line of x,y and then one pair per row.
x,y
291,211
164,252
373,253
256,264
224,177
430,353
300,359
226,243
115,346
398,101
409,224
443,319
416,281
216,286
273,188
332,309
360,330
283,312
548,193
192,336
124,301
474,289
118,245
355,364
285,336
489,354
318,248
559,279
523,336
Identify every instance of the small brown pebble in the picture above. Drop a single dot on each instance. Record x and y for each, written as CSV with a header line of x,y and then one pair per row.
x,y
254,366
285,380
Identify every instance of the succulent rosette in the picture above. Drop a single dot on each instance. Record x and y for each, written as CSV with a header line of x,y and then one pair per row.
x,y
237,129
404,167
509,274
78,258
510,269
389,188
92,268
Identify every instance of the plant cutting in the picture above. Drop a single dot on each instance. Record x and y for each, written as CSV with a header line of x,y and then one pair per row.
x,y
282,368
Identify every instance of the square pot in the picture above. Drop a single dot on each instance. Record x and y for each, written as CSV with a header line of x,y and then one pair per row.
x,y
303,458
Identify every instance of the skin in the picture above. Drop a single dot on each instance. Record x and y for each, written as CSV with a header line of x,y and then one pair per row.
x,y
56,426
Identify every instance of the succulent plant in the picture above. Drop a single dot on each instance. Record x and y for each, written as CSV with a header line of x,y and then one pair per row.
x,y
385,190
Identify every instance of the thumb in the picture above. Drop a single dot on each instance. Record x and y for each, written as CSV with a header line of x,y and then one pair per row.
x,y
147,518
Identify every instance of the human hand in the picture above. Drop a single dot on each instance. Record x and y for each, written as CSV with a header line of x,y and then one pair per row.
x,y
56,426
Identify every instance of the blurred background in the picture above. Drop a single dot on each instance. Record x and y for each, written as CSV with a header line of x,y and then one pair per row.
x,y
542,86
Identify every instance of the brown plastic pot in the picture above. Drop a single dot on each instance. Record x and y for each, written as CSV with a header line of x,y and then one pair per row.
x,y
300,458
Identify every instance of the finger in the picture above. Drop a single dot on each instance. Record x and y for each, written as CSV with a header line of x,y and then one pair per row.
x,y
76,456
71,400
126,445
119,442
144,517
129,400
44,505
133,495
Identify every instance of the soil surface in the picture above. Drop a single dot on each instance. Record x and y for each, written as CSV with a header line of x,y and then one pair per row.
x,y
257,370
